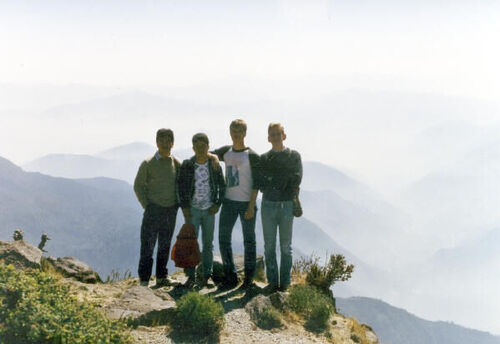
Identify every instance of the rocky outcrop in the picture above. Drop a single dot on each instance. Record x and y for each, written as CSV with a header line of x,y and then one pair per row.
x,y
20,254
74,268
142,305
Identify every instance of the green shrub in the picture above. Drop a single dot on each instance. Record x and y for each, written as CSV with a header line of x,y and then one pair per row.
x,y
36,308
323,277
312,305
197,317
317,320
269,318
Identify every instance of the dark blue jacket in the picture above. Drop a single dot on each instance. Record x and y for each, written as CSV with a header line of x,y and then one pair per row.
x,y
281,174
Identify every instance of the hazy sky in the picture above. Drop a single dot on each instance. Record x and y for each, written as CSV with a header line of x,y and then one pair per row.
x,y
295,51
438,46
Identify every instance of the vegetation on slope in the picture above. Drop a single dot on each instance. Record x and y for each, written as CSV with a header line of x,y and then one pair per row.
x,y
36,308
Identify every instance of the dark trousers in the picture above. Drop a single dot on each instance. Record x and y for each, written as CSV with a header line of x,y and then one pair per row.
x,y
228,216
158,223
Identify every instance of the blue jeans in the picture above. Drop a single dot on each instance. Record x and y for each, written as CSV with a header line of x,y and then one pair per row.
x,y
201,218
277,215
228,216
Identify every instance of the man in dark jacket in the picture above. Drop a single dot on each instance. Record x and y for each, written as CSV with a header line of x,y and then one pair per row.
x,y
201,190
281,170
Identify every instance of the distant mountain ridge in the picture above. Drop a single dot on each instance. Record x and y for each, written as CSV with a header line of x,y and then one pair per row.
x,y
120,162
397,326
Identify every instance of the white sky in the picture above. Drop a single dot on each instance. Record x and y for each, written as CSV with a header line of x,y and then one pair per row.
x,y
223,51
435,46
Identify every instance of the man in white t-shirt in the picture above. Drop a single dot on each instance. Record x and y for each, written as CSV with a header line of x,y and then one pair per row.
x,y
242,185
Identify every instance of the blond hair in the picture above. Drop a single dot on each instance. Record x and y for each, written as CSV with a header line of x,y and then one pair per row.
x,y
276,125
237,124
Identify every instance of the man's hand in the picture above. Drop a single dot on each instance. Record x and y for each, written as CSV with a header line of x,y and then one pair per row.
x,y
214,160
187,214
213,209
250,212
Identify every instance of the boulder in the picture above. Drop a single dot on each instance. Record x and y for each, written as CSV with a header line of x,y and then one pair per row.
x,y
20,254
263,314
257,305
143,306
74,268
239,262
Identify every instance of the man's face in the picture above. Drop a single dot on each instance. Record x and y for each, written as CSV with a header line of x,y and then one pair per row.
x,y
200,149
237,133
276,136
164,143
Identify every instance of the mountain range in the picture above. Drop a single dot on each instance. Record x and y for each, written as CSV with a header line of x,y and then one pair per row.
x,y
396,326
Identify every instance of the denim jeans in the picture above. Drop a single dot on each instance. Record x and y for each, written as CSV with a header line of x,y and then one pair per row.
x,y
277,216
228,216
201,218
158,224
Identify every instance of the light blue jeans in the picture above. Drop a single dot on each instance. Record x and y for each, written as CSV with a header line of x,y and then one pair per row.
x,y
201,218
277,216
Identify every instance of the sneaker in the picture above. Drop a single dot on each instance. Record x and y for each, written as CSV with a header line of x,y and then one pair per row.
x,y
210,283
202,282
229,284
248,284
190,283
163,282
144,283
269,289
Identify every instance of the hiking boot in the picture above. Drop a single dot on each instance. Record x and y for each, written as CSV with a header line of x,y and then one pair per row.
x,y
190,283
163,282
144,283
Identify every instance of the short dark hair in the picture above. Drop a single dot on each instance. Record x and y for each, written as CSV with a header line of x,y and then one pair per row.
x,y
200,137
164,133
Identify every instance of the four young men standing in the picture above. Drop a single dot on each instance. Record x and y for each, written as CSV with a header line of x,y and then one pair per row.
x,y
201,190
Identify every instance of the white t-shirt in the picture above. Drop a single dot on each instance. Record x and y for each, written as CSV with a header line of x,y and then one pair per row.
x,y
238,176
201,197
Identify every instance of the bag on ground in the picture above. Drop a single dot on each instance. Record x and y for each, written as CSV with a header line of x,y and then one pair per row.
x,y
186,251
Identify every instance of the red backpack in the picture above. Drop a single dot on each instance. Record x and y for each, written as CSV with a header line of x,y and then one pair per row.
x,y
186,251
